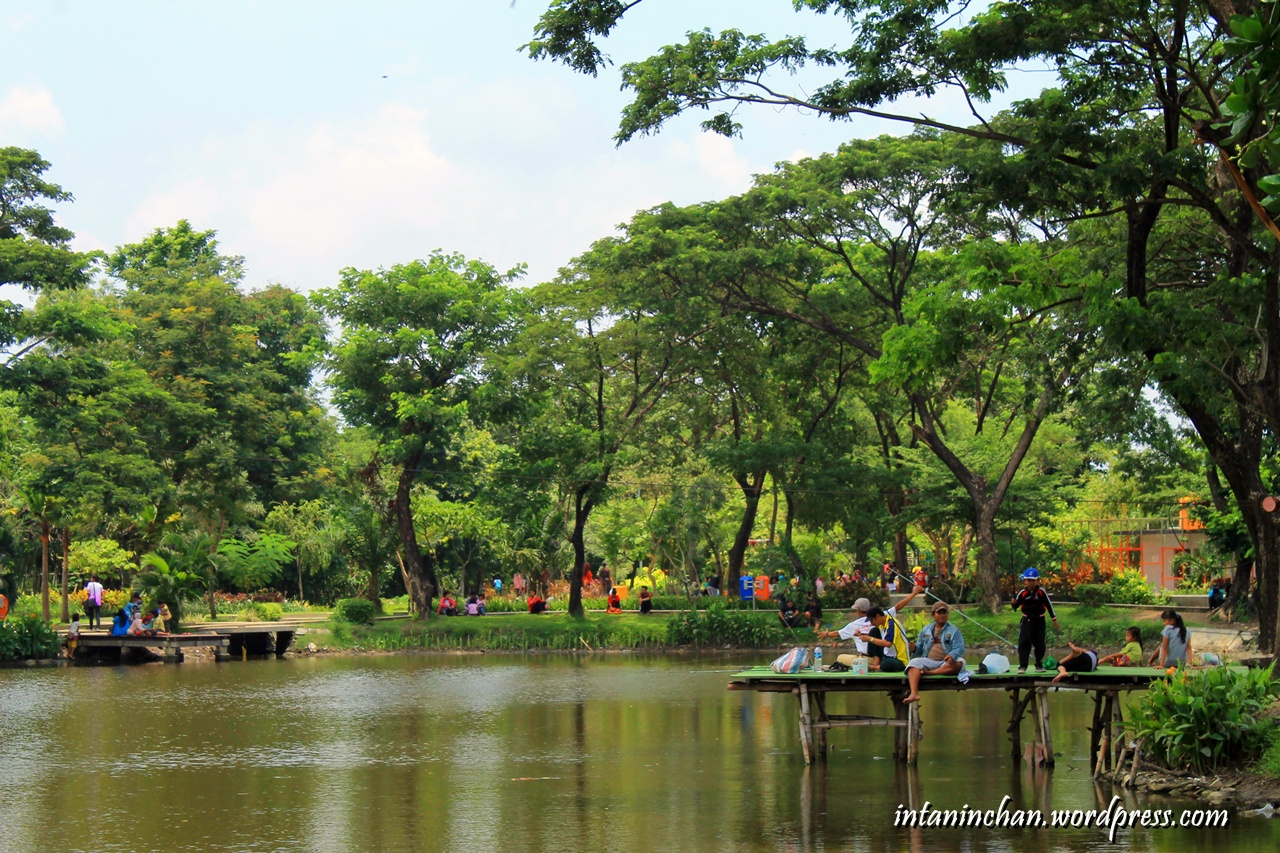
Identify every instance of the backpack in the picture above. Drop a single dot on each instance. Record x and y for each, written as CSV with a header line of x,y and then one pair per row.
x,y
791,663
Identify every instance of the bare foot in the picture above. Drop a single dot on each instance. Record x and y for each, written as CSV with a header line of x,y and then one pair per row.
x,y
910,699
1059,677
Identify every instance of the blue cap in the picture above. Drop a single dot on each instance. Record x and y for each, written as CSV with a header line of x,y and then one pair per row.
x,y
1031,574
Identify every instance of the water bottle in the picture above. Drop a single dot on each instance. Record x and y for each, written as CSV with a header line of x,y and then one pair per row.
x,y
817,658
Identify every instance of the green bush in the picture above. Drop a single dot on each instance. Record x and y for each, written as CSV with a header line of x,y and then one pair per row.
x,y
27,638
840,597
265,611
1202,721
355,610
1131,587
718,625
1092,594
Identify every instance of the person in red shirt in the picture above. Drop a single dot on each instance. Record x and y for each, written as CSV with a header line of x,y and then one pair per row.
x,y
921,577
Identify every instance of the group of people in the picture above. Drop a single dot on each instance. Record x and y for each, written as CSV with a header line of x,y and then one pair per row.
x,y
538,604
878,635
133,621
474,606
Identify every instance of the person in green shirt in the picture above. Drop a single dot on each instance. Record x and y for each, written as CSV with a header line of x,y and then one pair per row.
x,y
1131,654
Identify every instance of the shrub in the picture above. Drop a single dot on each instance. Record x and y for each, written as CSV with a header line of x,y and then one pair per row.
x,y
261,611
1092,594
1131,587
354,610
718,625
841,597
27,638
1205,720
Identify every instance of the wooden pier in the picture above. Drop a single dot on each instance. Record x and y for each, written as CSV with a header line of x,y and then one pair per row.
x,y
229,640
171,645
1029,695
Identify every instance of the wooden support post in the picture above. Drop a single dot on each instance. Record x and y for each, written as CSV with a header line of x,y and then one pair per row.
x,y
1118,729
913,733
1015,723
1046,732
806,730
1104,743
1095,729
820,735
900,732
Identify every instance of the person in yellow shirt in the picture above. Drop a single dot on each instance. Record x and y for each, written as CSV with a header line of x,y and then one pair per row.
x,y
1131,654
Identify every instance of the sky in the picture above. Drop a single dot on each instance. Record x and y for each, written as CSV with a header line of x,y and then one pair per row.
x,y
316,135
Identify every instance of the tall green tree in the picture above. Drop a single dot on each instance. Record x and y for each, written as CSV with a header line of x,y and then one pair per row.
x,y
410,357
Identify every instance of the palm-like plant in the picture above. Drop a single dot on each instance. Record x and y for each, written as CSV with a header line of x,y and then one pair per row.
x,y
160,582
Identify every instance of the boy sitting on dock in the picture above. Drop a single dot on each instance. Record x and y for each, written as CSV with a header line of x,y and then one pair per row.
x,y
941,650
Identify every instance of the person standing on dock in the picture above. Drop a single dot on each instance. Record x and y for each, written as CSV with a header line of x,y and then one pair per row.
x,y
93,602
1034,602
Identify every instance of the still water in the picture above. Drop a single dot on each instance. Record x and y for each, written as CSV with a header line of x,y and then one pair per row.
x,y
512,753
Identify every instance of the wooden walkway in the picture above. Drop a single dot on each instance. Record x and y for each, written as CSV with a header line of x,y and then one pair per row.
x,y
229,640
171,646
1029,694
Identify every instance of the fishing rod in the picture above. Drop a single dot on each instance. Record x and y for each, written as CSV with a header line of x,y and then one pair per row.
x,y
1002,639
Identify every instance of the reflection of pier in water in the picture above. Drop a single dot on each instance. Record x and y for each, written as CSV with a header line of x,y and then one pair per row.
x,y
1029,695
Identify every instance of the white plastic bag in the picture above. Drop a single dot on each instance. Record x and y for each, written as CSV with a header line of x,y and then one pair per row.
x,y
996,663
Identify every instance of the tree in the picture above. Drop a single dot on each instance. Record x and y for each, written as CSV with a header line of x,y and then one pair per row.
x,y
1117,140
310,525
34,253
608,344
409,359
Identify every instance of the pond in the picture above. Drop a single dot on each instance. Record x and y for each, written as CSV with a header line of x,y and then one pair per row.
x,y
497,752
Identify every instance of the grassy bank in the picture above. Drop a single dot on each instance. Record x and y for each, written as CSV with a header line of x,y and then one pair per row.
x,y
718,627
516,632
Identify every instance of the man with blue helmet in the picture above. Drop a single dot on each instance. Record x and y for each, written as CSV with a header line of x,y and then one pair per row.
x,y
1034,602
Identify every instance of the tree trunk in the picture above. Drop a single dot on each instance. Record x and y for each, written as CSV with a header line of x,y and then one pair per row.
x,y
66,553
301,597
44,569
751,488
581,510
988,563
419,574
796,566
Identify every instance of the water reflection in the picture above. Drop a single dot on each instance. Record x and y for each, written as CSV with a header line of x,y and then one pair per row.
x,y
509,753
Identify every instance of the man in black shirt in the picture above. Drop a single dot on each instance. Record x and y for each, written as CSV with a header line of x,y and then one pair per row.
x,y
1034,603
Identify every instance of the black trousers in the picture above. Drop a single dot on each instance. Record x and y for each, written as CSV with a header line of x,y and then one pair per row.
x,y
1031,635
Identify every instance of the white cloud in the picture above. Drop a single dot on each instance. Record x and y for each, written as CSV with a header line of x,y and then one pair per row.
x,y
30,108
11,24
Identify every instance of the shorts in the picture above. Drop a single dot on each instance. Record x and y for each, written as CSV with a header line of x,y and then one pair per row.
x,y
929,664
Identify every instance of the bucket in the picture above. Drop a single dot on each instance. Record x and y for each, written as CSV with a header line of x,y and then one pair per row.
x,y
858,666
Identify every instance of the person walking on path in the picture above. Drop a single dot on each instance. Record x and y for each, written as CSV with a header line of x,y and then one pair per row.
x,y
93,602
1034,602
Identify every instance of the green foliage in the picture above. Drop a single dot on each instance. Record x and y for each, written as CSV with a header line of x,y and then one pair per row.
x,y
159,582
1269,763
1092,594
719,626
840,597
27,637
263,611
354,610
1131,587
102,557
1206,720
252,565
